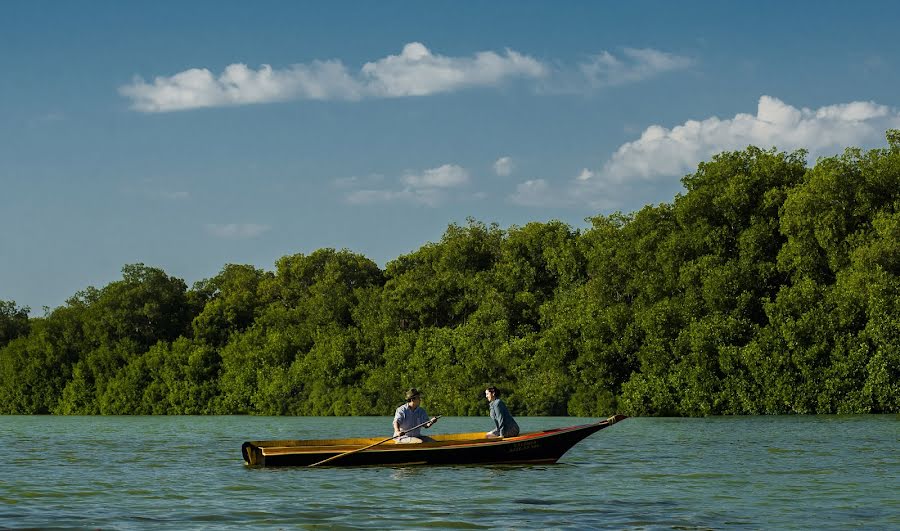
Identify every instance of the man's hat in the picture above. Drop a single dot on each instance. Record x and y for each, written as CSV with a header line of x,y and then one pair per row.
x,y
412,393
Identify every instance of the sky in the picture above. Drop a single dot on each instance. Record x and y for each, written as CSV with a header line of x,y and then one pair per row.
x,y
188,136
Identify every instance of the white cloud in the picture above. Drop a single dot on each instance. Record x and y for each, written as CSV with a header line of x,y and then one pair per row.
x,y
542,194
415,72
418,72
662,152
605,69
639,169
239,85
429,187
236,230
503,166
446,176
585,175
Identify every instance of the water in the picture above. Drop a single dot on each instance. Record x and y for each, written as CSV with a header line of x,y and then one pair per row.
x,y
819,472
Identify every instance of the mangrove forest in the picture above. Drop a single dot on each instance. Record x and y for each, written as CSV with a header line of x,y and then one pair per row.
x,y
769,285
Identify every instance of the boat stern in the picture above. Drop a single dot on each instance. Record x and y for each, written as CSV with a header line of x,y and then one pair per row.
x,y
253,455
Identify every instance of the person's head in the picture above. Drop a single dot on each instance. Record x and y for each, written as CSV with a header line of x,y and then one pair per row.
x,y
413,397
491,393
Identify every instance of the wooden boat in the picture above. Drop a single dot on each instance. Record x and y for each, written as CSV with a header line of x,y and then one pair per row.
x,y
545,446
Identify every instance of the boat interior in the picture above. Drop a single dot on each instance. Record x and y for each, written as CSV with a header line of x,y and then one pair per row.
x,y
346,445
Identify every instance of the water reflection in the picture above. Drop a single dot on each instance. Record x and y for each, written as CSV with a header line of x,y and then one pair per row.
x,y
406,473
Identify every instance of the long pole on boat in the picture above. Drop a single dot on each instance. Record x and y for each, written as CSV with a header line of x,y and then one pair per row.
x,y
401,434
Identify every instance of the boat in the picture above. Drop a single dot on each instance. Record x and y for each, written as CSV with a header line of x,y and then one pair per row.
x,y
545,446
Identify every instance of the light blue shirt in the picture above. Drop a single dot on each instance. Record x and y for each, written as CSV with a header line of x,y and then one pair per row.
x,y
408,418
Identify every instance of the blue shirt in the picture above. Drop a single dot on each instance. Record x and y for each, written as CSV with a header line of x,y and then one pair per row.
x,y
408,418
506,425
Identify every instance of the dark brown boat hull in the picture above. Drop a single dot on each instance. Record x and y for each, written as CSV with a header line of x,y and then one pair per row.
x,y
537,447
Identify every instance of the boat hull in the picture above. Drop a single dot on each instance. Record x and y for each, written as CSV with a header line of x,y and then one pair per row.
x,y
536,447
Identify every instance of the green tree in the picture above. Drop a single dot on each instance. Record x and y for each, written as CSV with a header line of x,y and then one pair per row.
x,y
438,285
35,368
13,321
232,303
146,306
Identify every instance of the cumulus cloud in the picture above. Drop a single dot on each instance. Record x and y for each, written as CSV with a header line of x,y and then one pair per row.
x,y
503,166
641,168
240,85
663,152
416,71
429,187
236,230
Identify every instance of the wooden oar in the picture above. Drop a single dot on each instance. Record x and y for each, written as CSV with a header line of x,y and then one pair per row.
x,y
401,434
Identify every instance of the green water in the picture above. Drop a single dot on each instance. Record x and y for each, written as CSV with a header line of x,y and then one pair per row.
x,y
186,472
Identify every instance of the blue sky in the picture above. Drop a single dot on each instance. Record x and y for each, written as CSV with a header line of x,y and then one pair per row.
x,y
192,135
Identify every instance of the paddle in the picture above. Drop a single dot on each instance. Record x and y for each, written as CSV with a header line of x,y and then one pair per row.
x,y
401,434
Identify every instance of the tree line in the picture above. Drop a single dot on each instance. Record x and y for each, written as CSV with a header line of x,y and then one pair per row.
x,y
765,287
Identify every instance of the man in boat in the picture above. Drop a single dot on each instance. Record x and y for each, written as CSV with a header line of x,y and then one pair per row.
x,y
409,416
503,420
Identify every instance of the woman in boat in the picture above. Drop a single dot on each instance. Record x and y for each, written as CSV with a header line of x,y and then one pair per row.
x,y
409,416
503,420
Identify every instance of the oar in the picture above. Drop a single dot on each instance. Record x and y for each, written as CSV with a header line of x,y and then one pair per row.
x,y
401,434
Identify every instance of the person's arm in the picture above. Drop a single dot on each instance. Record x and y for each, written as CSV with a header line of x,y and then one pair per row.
x,y
498,420
431,422
506,424
424,415
397,417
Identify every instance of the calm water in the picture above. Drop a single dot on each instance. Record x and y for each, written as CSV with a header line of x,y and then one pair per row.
x,y
186,472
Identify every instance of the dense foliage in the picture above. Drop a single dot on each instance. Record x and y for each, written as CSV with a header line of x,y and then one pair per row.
x,y
766,287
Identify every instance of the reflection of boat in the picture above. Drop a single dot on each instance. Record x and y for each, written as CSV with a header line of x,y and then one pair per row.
x,y
545,446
